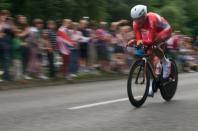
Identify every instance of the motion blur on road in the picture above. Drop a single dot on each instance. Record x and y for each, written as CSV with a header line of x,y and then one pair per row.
x,y
101,106
58,41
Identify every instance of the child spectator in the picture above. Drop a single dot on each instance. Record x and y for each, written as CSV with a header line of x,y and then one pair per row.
x,y
45,48
17,56
51,25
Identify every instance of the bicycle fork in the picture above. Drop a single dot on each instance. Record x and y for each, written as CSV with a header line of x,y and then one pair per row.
x,y
144,75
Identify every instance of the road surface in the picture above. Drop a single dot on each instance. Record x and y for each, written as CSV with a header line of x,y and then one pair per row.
x,y
98,106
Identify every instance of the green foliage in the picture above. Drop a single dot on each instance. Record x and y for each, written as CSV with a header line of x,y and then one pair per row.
x,y
175,17
96,9
4,4
118,10
182,14
192,13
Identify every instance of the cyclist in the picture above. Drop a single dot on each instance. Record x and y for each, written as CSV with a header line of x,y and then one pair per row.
x,y
150,28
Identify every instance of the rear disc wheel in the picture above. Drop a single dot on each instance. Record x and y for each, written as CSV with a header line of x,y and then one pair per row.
x,y
169,89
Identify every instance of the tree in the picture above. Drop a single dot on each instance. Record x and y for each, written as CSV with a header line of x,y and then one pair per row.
x,y
97,9
176,15
192,13
175,18
183,17
118,10
4,4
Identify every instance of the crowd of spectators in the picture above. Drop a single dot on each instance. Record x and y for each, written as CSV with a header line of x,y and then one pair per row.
x,y
184,49
44,50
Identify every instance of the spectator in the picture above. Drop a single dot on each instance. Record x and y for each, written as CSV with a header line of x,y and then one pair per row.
x,y
37,50
195,43
119,55
187,55
64,43
173,44
50,53
77,37
114,40
33,40
130,50
46,49
92,57
84,45
5,42
102,49
16,55
25,47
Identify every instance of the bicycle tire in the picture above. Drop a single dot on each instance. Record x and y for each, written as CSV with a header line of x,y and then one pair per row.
x,y
133,101
168,91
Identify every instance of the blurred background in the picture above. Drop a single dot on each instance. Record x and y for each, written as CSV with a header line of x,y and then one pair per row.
x,y
67,38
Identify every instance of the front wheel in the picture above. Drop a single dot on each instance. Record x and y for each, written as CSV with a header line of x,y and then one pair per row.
x,y
138,83
169,89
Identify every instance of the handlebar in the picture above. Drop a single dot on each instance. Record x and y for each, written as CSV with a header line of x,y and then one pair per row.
x,y
145,48
139,46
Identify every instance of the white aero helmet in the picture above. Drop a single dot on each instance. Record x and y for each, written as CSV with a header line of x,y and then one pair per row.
x,y
138,11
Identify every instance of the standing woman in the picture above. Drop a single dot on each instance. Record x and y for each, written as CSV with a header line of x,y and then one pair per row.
x,y
37,50
25,48
77,37
65,42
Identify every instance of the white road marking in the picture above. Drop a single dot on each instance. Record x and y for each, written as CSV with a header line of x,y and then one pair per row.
x,y
99,103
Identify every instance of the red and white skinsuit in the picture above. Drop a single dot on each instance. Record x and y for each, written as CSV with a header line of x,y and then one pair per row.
x,y
154,27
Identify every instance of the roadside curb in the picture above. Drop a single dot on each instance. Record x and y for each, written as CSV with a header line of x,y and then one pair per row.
x,y
36,83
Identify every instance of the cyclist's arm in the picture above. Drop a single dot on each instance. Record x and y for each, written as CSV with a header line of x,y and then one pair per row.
x,y
151,36
138,34
152,31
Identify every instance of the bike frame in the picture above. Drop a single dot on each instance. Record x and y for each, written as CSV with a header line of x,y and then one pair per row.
x,y
147,66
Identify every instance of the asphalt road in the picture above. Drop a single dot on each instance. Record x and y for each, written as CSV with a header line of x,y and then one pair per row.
x,y
98,106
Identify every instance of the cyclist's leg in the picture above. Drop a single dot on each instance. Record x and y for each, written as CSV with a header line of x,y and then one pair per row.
x,y
159,51
164,35
154,60
157,70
